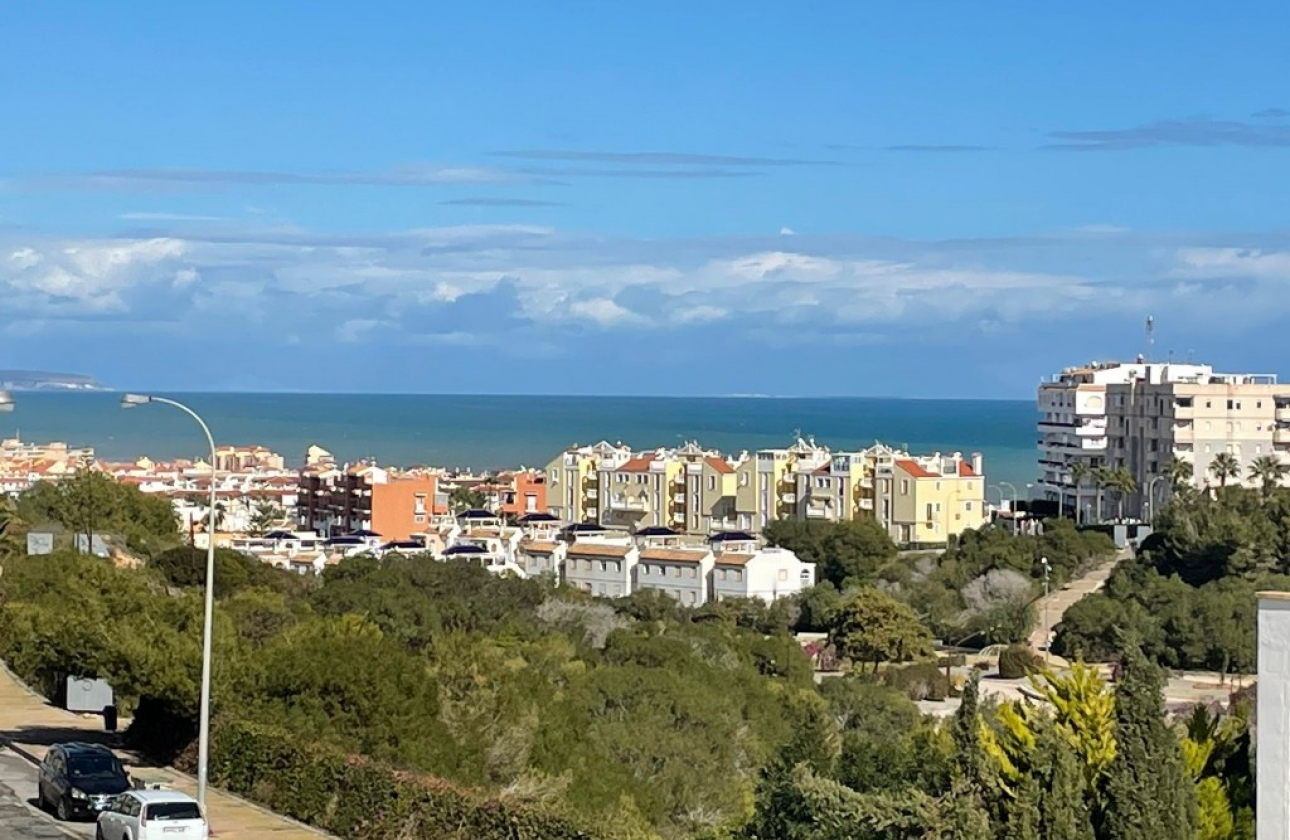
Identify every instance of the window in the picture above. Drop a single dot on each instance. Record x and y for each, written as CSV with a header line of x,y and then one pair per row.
x,y
690,572
530,502
904,487
743,479
929,512
783,574
738,574
555,476
1258,403
169,811
712,482
721,574
676,571
419,503
419,518
967,506
691,596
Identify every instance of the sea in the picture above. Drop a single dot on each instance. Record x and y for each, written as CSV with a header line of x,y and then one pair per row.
x,y
489,432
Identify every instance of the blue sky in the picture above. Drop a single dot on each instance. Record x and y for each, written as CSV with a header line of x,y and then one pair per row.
x,y
934,199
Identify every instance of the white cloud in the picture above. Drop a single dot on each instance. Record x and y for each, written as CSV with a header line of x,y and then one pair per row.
x,y
602,311
471,284
787,231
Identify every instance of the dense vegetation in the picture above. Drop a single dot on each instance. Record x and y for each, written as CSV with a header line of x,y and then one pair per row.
x,y
981,588
407,698
1189,595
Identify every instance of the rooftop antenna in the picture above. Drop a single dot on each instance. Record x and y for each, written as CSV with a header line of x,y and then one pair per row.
x,y
1151,339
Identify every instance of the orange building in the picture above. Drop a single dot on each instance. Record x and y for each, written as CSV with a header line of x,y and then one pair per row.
x,y
403,506
520,493
335,502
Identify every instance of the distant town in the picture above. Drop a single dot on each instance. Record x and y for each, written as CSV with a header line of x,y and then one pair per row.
x,y
1115,439
36,380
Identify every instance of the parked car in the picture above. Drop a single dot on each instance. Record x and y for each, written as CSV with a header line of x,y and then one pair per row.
x,y
79,780
153,815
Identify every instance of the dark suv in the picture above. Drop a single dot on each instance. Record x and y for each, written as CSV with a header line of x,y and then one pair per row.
x,y
79,780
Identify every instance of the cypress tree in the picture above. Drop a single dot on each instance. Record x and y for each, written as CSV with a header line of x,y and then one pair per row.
x,y
1064,811
1148,794
965,812
1022,818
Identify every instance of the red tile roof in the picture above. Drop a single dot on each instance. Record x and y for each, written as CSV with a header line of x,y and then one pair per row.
x,y
582,549
674,555
965,470
640,464
720,465
913,468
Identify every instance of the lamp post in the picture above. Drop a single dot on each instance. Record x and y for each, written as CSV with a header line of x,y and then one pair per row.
x,y
204,724
1047,630
1061,497
1013,490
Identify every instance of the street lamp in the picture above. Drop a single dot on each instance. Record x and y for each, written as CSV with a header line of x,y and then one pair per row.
x,y
1047,630
1061,497
1014,494
204,726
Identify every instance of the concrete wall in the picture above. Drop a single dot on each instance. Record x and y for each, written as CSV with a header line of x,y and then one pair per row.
x,y
1273,722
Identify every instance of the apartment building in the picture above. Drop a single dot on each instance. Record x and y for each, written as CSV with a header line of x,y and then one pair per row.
x,y
926,500
573,480
242,459
647,490
334,501
1141,416
766,484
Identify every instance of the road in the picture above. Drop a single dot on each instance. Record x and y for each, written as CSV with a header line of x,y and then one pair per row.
x,y
19,818
1049,611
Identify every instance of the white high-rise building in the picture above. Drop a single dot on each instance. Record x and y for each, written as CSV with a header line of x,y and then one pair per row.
x,y
1140,416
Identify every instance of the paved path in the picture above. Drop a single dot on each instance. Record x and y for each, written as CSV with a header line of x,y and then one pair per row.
x,y
29,726
1050,609
19,817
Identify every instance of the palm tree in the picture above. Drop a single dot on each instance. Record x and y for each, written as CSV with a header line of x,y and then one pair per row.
x,y
1079,473
1102,481
1124,484
1178,472
1269,471
1225,466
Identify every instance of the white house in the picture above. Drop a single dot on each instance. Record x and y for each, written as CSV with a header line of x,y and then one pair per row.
x,y
601,567
682,573
766,573
540,557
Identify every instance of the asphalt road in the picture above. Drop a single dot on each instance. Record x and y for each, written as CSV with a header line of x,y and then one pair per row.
x,y
19,817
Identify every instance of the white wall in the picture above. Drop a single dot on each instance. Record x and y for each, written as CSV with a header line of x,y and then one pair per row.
x,y
1273,724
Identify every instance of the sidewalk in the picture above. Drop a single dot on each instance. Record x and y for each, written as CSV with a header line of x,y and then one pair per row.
x,y
1049,610
30,726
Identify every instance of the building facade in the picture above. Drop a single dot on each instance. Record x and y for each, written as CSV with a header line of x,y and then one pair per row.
x,y
334,501
1143,417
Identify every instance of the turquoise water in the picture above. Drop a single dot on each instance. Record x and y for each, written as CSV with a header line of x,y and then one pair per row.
x,y
502,431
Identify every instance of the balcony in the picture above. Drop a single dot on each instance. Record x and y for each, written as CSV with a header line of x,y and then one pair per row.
x,y
1283,413
628,503
1184,412
789,498
679,498
591,493
1281,435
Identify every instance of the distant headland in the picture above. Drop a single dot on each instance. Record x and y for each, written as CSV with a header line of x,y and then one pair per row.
x,y
40,380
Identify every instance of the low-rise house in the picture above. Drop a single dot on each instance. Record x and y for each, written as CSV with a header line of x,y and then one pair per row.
x,y
682,573
541,557
601,567
764,573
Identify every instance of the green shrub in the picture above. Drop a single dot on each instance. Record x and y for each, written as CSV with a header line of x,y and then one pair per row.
x,y
919,681
362,799
1018,661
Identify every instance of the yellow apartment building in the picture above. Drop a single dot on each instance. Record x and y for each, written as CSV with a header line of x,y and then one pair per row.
x,y
573,480
927,500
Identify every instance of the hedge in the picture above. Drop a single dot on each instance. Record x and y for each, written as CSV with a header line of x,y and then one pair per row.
x,y
359,799
1017,661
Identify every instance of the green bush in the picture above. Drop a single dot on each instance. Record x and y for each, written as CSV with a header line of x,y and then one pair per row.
x,y
919,681
1018,661
358,798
